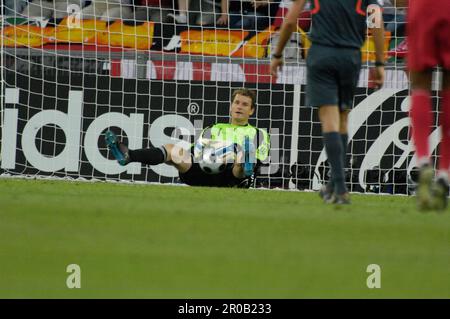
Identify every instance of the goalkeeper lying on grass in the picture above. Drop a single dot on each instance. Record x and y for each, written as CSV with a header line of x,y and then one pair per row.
x,y
239,135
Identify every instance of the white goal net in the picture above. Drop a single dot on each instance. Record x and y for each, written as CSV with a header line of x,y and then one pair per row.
x,y
71,69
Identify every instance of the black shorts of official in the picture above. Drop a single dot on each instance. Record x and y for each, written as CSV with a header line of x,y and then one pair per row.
x,y
332,76
195,176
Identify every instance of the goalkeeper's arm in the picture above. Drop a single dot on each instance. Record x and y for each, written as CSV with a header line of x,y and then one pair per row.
x,y
256,154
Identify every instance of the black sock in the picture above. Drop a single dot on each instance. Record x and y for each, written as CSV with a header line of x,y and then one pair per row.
x,y
334,149
149,156
344,138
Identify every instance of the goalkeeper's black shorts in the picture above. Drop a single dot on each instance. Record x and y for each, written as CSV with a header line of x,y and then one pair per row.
x,y
195,176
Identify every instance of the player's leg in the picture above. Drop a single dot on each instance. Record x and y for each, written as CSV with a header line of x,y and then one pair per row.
x,y
322,91
441,188
421,122
117,11
178,157
348,70
329,116
206,13
183,9
171,154
442,185
343,130
38,8
422,58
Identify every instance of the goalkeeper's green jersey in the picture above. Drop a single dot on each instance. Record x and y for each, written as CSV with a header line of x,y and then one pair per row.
x,y
237,133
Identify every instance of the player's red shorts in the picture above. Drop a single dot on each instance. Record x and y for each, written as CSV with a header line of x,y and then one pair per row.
x,y
428,34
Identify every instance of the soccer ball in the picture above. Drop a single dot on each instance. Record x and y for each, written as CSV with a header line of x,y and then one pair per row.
x,y
213,156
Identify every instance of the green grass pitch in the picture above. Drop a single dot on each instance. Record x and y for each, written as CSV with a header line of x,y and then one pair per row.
x,y
151,241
